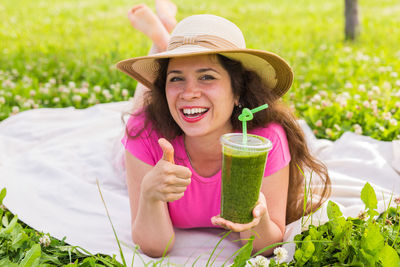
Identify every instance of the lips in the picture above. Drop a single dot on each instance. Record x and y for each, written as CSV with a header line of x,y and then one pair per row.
x,y
193,114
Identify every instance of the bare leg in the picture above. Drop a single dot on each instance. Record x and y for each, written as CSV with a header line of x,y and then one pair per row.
x,y
143,19
166,11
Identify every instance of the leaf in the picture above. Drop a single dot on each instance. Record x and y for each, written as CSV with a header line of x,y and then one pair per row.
x,y
303,254
372,240
9,226
389,257
368,196
244,254
2,195
32,257
333,210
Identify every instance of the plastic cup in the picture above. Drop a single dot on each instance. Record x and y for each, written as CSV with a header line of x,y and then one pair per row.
x,y
243,168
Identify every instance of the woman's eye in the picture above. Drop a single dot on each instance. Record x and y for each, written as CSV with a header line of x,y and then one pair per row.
x,y
175,79
207,77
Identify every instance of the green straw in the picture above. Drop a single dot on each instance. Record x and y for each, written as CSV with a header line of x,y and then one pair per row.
x,y
247,115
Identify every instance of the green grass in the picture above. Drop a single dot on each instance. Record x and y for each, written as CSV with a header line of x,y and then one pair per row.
x,y
62,53
51,44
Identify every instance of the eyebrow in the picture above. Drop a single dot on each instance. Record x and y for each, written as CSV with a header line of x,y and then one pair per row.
x,y
197,71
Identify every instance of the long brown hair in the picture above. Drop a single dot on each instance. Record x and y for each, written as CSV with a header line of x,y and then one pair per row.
x,y
252,93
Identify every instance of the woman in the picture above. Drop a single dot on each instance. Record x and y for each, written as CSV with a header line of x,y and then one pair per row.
x,y
198,87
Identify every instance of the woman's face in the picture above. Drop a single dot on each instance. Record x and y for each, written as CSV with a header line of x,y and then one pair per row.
x,y
199,95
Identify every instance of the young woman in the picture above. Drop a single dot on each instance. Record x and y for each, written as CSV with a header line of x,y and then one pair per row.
x,y
196,90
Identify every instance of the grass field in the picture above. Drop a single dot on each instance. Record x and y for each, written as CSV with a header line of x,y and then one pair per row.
x,y
63,53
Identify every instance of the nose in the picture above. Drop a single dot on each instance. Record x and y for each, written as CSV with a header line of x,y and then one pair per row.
x,y
190,91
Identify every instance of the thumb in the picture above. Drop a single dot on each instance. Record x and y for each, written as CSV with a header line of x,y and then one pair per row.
x,y
168,150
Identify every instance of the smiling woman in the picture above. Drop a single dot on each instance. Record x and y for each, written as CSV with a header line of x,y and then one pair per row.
x,y
195,91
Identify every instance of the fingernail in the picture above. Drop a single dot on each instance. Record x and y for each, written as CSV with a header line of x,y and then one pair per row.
x,y
257,213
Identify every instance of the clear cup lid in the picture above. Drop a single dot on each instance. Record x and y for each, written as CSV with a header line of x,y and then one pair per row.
x,y
254,142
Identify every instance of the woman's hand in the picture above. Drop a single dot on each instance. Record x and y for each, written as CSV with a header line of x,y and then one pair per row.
x,y
258,212
166,181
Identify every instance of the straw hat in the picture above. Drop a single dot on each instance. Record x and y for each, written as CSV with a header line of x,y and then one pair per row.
x,y
209,34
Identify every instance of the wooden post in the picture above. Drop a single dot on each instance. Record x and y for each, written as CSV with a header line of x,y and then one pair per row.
x,y
352,25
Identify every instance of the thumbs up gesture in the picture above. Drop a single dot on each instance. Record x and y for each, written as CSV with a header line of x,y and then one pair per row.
x,y
167,181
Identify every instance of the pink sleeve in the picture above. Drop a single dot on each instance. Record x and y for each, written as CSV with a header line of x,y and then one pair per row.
x,y
279,156
145,146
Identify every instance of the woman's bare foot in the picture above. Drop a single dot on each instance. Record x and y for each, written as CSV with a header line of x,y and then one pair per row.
x,y
143,19
166,11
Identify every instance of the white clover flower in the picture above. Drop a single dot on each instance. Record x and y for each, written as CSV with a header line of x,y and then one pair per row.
x,y
381,128
258,261
71,84
387,116
397,104
393,121
84,90
317,107
325,103
323,93
85,84
45,241
356,96
318,123
376,60
32,92
376,89
362,88
349,115
97,89
52,81
35,105
397,200
125,92
2,100
8,84
281,254
316,98
357,129
397,83
366,104
17,98
15,109
386,86
56,100
347,49
348,85
76,98
328,131
337,127
44,90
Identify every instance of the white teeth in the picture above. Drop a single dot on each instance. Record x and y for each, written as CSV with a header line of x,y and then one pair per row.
x,y
189,111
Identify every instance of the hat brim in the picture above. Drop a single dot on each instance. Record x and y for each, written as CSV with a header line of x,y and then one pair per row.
x,y
274,71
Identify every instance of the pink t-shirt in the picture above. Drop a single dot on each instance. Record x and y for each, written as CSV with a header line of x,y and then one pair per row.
x,y
202,197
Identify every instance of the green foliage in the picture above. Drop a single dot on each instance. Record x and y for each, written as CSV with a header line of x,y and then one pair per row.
x,y
352,241
22,246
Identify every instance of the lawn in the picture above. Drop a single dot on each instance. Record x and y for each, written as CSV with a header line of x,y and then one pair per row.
x,y
63,53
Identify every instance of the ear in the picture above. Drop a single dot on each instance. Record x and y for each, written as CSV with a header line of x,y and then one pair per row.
x,y
236,101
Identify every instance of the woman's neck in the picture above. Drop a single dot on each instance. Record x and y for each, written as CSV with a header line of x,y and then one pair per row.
x,y
204,153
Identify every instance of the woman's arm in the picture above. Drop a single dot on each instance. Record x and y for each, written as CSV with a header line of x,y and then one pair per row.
x,y
150,188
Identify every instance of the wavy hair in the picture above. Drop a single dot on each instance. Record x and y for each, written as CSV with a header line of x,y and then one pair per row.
x,y
252,93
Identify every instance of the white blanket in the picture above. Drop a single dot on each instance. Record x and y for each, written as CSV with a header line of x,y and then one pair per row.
x,y
50,160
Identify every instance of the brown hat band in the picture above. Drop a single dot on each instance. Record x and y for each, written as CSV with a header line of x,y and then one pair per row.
x,y
207,41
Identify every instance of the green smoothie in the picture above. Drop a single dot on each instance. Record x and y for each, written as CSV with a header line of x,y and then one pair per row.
x,y
242,172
